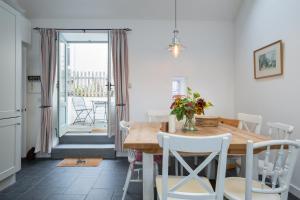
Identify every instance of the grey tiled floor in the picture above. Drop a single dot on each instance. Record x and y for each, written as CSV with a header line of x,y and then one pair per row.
x,y
42,180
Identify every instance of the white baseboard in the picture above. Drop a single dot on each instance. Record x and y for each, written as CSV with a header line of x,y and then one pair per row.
x,y
295,190
121,154
43,155
7,182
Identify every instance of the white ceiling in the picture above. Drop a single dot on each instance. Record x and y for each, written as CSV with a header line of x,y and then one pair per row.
x,y
130,9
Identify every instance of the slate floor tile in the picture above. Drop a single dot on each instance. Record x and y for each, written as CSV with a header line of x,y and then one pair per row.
x,y
118,196
9,196
100,194
110,180
64,180
41,193
66,197
42,180
82,185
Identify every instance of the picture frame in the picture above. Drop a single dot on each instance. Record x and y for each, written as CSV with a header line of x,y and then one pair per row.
x,y
268,60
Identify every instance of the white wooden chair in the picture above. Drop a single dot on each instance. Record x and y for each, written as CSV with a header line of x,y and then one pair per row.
x,y
277,131
248,188
135,166
280,131
163,116
135,161
248,120
250,123
192,186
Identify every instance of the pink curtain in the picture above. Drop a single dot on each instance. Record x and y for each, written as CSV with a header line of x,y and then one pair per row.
x,y
48,53
119,50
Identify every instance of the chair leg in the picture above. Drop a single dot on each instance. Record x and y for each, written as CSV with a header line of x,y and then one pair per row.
x,y
181,170
156,169
284,196
155,172
125,188
176,167
238,170
211,169
89,115
196,160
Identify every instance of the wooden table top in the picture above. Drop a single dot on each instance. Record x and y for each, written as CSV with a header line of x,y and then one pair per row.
x,y
143,137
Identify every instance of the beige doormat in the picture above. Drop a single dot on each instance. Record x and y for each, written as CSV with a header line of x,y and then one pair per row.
x,y
99,130
80,162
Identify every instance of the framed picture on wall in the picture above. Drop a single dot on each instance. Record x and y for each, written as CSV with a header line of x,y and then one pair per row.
x,y
268,61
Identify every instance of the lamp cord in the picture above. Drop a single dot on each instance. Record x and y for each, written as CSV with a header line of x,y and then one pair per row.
x,y
175,14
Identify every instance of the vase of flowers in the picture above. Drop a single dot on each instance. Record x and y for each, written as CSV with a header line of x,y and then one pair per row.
x,y
187,106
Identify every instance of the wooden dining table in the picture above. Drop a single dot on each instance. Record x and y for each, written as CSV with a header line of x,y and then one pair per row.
x,y
143,137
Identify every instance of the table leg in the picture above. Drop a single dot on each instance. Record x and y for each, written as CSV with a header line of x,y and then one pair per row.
x,y
105,106
94,112
254,167
243,166
148,179
211,170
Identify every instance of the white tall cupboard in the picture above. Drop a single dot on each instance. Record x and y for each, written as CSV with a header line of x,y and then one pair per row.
x,y
14,30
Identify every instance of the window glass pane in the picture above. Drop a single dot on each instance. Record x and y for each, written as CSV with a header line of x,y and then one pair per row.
x,y
178,86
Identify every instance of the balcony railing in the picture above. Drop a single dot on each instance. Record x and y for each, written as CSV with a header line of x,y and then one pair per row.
x,y
87,84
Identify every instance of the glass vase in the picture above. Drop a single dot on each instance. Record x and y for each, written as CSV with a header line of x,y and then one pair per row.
x,y
189,124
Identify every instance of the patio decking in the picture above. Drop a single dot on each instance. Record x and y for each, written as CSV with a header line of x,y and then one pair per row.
x,y
89,126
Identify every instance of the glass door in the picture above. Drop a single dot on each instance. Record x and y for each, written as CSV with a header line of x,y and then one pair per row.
x,y
111,102
86,93
62,85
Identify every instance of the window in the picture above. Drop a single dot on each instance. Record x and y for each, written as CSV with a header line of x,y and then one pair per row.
x,y
178,86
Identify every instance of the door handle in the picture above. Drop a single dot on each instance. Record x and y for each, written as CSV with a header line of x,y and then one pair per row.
x,y
109,85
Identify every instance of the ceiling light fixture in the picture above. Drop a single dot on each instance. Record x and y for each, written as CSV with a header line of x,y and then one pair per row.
x,y
175,47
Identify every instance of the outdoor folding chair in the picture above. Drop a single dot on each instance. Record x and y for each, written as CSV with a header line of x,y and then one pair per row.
x,y
82,112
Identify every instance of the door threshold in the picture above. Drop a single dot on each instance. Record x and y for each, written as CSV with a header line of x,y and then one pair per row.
x,y
85,134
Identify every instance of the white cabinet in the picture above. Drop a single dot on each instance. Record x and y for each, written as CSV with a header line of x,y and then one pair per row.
x,y
12,34
9,129
7,63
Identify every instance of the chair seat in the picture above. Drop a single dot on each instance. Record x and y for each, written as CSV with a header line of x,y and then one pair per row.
x,y
193,186
234,189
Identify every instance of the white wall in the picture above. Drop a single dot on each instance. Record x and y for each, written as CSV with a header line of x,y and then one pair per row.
x,y
207,62
276,99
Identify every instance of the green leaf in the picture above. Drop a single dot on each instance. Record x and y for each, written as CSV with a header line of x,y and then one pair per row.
x,y
196,95
189,91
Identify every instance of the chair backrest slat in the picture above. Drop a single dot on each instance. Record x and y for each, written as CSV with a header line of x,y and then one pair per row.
x,y
247,119
213,146
282,171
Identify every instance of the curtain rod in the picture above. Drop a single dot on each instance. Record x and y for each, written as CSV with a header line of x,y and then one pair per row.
x,y
86,29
